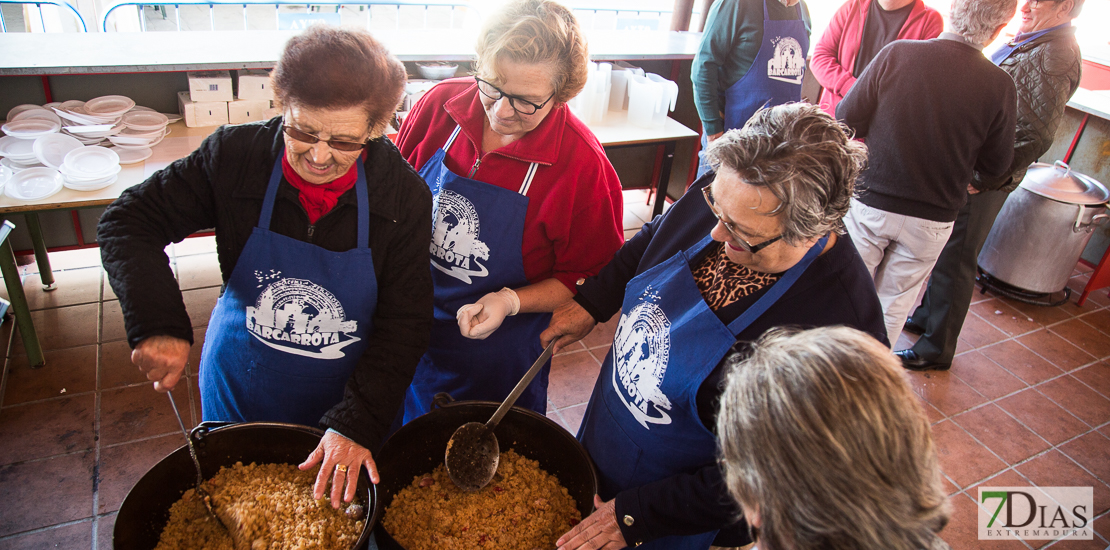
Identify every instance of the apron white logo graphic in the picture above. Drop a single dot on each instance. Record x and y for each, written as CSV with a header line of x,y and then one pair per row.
x,y
788,63
300,317
455,247
641,350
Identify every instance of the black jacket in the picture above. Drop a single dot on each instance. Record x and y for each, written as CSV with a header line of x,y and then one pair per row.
x,y
933,112
835,290
222,185
1046,71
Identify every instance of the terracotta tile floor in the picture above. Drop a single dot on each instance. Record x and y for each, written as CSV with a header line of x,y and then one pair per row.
x,y
1026,402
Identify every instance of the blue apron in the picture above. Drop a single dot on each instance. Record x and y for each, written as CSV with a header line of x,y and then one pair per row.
x,y
291,325
642,422
475,250
775,76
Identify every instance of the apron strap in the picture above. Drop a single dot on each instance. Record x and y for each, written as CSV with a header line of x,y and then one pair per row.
x,y
450,140
777,290
528,179
361,194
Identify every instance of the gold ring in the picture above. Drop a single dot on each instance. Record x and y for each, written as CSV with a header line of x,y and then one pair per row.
x,y
341,467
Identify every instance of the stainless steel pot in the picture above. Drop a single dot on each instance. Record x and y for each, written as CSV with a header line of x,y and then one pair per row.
x,y
1043,227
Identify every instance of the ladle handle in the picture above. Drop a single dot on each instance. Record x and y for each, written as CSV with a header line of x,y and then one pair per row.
x,y
520,386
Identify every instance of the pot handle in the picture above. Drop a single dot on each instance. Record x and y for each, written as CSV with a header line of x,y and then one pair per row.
x,y
442,400
200,431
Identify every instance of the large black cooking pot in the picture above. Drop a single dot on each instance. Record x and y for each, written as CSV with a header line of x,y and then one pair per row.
x,y
419,446
146,509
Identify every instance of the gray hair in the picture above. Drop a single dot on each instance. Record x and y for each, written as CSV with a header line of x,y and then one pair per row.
x,y
825,443
804,157
976,20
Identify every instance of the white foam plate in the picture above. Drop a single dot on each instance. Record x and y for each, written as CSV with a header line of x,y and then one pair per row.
x,y
19,166
34,184
92,186
131,155
109,105
73,116
51,150
91,162
149,121
20,108
17,149
72,104
30,128
84,178
90,130
38,113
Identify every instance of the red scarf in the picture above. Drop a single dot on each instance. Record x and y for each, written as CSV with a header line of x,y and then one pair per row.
x,y
319,199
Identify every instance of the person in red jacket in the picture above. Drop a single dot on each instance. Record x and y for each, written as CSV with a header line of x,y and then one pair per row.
x,y
526,204
858,30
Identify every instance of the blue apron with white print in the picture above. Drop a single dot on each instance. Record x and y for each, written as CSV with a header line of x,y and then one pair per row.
x,y
775,76
291,325
642,422
475,250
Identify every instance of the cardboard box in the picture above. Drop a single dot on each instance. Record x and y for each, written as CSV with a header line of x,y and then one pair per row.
x,y
210,86
254,84
247,110
201,113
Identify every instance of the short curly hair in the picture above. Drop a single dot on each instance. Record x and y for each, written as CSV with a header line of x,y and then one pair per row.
x,y
536,31
328,67
804,157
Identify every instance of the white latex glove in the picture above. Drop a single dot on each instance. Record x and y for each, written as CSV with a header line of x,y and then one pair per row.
x,y
479,320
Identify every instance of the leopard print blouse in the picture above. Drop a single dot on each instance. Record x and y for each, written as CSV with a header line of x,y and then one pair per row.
x,y
723,282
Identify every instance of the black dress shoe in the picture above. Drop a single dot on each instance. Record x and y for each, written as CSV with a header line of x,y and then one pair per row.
x,y
911,361
913,328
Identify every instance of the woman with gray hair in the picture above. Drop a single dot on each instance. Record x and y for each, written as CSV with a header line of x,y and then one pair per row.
x,y
751,247
824,445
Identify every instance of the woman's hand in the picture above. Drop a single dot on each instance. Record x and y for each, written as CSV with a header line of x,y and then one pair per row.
x,y
570,323
342,459
479,320
162,359
599,531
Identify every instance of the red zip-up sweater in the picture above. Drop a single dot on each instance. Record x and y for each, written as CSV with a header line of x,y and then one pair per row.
x,y
834,57
573,225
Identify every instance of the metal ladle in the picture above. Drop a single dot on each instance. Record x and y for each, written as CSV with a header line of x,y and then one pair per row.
x,y
205,497
472,452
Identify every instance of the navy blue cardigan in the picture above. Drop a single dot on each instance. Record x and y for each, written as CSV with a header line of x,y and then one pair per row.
x,y
836,290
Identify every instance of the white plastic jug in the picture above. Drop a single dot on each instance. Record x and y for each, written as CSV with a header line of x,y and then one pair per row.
x,y
618,92
650,98
591,103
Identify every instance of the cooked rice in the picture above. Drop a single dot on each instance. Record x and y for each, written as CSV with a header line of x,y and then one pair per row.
x,y
523,508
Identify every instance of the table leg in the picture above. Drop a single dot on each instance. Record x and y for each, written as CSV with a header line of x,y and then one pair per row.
x,y
664,179
19,306
41,257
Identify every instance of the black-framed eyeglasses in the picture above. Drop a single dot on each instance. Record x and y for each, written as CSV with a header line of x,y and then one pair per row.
x,y
337,144
707,191
519,104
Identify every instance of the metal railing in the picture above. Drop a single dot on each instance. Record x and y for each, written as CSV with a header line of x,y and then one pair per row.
x,y
616,17
455,5
62,5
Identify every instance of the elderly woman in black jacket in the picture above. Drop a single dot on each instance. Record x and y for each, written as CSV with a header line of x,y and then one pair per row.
x,y
322,232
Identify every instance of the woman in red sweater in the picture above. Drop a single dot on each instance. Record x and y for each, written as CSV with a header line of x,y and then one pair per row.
x,y
526,204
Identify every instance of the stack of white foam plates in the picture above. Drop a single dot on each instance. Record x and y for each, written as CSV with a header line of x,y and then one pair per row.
x,y
144,121
108,108
19,109
18,150
131,138
34,184
90,168
30,128
51,150
131,155
170,117
19,166
38,113
5,175
92,134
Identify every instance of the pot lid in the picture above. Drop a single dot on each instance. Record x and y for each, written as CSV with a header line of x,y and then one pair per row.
x,y
1058,182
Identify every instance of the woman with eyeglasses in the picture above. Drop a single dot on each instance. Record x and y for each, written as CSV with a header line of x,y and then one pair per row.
x,y
526,204
755,244
321,232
